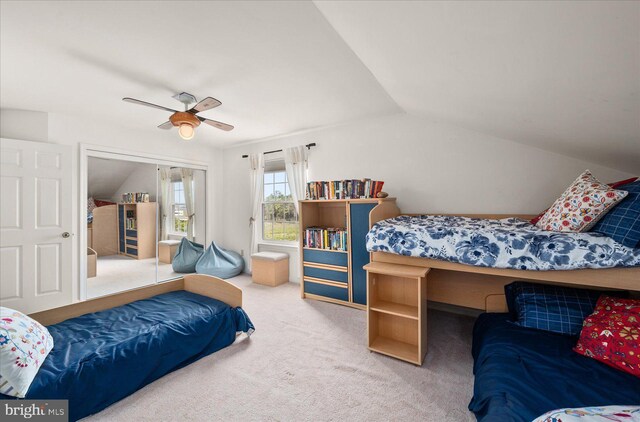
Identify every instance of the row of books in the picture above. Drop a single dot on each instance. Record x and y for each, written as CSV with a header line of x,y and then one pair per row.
x,y
344,189
326,238
130,223
134,197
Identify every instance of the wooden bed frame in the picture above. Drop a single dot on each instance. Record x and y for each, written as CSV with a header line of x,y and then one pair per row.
x,y
205,285
483,288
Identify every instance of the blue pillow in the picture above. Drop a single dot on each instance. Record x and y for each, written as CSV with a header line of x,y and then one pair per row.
x,y
551,308
622,223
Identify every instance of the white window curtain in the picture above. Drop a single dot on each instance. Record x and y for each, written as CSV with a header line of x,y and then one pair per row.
x,y
165,204
187,185
256,163
295,161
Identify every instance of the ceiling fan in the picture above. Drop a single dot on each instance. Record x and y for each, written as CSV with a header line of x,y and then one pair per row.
x,y
186,121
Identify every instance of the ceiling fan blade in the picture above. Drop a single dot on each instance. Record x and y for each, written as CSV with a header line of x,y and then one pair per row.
x,y
166,125
144,103
206,104
215,123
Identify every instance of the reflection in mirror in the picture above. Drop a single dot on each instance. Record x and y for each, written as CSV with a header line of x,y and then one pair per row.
x,y
182,200
121,225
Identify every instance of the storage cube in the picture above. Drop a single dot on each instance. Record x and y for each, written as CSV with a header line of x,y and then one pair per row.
x,y
270,268
92,258
167,250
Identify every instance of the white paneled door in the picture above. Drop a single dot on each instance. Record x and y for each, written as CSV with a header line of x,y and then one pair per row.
x,y
35,225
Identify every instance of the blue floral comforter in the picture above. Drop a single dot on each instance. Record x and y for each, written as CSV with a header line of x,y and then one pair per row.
x,y
508,243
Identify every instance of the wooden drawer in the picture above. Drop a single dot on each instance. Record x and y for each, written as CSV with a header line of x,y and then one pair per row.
x,y
132,233
132,251
326,290
326,274
339,259
132,242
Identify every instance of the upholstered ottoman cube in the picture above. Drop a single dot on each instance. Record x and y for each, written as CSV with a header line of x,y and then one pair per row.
x,y
167,250
270,268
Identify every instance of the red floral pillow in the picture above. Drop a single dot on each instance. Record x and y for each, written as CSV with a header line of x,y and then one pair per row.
x,y
611,334
581,205
614,185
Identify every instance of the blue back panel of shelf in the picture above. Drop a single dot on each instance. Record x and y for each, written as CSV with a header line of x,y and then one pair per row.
x,y
121,227
326,257
325,290
323,274
359,255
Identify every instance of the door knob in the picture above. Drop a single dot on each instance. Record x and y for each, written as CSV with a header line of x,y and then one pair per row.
x,y
66,235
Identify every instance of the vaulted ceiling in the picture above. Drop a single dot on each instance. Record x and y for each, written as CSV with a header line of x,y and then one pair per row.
x,y
562,76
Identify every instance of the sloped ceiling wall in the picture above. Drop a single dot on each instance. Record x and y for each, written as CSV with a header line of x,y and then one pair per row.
x,y
562,76
106,176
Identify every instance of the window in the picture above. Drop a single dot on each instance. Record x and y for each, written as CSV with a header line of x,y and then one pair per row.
x,y
180,217
279,217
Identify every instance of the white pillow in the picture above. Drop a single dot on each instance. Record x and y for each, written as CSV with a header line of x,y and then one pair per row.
x,y
24,345
593,414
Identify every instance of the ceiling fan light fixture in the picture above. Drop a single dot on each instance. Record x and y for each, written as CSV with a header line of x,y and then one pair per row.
x,y
186,131
186,124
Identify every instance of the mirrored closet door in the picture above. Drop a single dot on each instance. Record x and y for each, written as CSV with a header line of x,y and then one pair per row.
x,y
138,212
182,202
122,225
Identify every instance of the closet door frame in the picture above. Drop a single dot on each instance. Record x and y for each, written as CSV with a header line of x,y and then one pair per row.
x,y
99,151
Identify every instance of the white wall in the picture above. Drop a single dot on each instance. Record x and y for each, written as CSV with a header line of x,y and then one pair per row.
x,y
143,179
65,130
428,166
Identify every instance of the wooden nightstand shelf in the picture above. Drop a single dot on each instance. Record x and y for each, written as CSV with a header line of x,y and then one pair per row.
x,y
397,310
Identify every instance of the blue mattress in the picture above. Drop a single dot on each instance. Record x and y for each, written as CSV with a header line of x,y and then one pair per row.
x,y
521,373
103,357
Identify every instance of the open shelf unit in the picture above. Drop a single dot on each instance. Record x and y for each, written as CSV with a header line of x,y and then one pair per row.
x,y
335,275
397,310
137,229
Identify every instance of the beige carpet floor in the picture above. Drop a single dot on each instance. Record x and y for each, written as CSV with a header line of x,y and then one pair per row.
x,y
117,273
308,361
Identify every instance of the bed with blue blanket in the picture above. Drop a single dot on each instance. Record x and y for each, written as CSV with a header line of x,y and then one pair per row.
x,y
508,243
521,373
101,357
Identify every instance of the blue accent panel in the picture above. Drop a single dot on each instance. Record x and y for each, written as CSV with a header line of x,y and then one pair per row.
x,y
121,227
132,242
132,251
339,259
325,290
132,233
340,276
102,357
359,255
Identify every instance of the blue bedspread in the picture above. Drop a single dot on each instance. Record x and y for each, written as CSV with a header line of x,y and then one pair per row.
x,y
508,243
103,357
521,373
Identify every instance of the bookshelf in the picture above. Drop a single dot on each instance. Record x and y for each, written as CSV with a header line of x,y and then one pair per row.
x,y
336,275
137,229
397,310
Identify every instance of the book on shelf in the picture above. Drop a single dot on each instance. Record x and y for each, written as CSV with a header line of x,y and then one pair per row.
x,y
344,189
130,223
330,238
135,197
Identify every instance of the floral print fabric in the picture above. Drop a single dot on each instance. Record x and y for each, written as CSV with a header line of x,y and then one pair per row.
x,y
611,334
24,345
593,414
581,205
507,243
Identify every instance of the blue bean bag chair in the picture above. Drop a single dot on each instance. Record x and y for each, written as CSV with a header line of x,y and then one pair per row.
x,y
187,256
220,262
